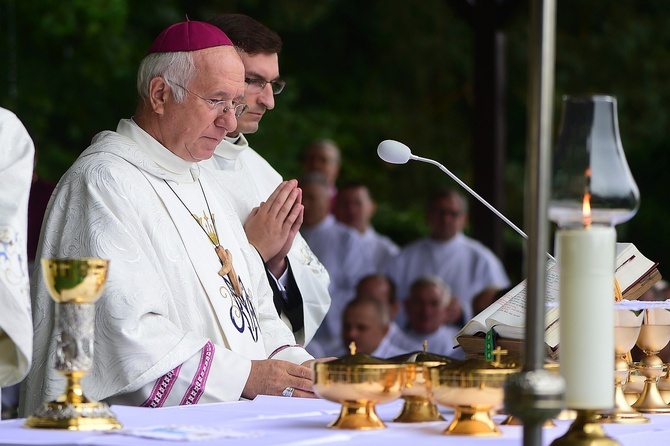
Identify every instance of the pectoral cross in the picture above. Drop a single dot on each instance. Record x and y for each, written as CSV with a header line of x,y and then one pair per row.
x,y
227,269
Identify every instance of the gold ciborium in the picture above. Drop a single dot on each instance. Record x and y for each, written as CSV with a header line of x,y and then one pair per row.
x,y
627,325
359,382
654,335
418,407
473,388
75,285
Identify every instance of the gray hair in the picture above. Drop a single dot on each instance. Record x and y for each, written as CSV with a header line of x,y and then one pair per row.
x,y
432,280
176,68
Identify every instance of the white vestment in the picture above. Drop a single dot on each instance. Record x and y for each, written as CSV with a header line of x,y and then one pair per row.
x,y
380,248
466,265
168,328
16,171
342,252
249,179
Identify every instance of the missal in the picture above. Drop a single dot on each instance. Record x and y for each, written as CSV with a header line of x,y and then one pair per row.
x,y
506,317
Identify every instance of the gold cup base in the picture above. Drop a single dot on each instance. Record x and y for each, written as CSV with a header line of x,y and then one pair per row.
x,y
418,409
358,415
650,400
585,431
473,421
511,420
88,416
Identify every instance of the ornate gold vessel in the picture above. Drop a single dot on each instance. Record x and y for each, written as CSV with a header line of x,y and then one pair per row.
x,y
418,407
359,382
75,285
473,388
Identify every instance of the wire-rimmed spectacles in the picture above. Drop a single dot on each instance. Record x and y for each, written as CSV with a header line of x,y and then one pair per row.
x,y
223,107
255,85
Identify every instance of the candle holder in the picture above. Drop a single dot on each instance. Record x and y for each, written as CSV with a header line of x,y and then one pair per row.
x,y
592,191
654,335
627,324
75,285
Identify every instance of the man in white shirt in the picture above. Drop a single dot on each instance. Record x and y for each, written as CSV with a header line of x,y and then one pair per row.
x,y
355,208
16,171
469,268
340,249
426,308
365,322
300,281
186,315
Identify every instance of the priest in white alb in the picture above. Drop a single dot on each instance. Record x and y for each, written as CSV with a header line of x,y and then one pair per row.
x,y
187,315
298,276
17,154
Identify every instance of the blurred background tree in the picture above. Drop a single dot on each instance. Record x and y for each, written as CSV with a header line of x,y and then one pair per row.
x,y
357,72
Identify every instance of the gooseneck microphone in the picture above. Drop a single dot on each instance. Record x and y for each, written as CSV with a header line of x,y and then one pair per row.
x,y
395,152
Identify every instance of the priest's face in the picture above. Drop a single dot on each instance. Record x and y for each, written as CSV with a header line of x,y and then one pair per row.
x,y
362,324
192,129
426,308
446,217
354,207
259,69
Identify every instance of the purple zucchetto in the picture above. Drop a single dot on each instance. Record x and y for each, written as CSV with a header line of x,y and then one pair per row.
x,y
190,35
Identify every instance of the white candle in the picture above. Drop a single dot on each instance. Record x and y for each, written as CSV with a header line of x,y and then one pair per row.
x,y
586,352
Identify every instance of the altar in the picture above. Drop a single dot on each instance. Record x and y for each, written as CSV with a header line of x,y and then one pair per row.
x,y
294,421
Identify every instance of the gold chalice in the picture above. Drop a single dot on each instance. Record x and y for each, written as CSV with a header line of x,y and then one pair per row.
x,y
632,389
75,285
664,385
654,335
473,388
359,382
627,325
418,407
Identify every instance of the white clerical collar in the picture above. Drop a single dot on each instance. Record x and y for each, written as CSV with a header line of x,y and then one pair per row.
x,y
181,171
230,148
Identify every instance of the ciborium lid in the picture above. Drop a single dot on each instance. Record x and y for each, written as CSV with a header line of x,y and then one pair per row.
x,y
423,356
354,358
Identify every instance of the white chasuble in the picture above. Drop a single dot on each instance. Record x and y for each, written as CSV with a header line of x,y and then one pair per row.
x,y
166,326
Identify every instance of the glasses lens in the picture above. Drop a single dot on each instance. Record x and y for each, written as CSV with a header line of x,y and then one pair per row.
x,y
277,86
240,109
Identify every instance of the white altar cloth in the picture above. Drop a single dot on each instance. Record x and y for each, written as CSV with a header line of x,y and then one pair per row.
x,y
302,422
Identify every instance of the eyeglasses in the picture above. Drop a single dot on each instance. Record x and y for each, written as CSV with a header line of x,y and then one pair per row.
x,y
223,107
257,85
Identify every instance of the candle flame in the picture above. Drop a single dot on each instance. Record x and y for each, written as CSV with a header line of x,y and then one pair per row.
x,y
586,209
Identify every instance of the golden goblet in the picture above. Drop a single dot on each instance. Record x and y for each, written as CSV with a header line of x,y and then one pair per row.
x,y
359,382
473,388
627,325
654,335
75,285
664,385
418,407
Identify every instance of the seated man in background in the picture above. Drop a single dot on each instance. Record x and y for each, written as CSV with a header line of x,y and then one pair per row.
x,y
426,308
355,208
340,250
187,314
299,280
469,268
366,323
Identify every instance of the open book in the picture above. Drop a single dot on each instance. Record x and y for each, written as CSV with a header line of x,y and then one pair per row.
x,y
634,274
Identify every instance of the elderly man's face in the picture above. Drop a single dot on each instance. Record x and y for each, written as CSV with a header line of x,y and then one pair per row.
x,y
426,308
192,129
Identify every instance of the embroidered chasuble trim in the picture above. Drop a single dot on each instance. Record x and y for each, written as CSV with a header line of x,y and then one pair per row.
x,y
162,389
208,225
197,387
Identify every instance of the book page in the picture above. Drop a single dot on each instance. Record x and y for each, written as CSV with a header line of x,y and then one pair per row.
x,y
479,323
510,319
631,266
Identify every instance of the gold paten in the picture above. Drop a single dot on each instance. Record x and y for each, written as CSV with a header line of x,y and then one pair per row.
x,y
418,407
473,388
75,285
359,382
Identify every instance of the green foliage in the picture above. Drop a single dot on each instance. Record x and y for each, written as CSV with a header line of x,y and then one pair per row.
x,y
358,72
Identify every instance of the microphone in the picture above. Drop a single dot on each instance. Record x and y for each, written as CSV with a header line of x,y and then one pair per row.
x,y
395,152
